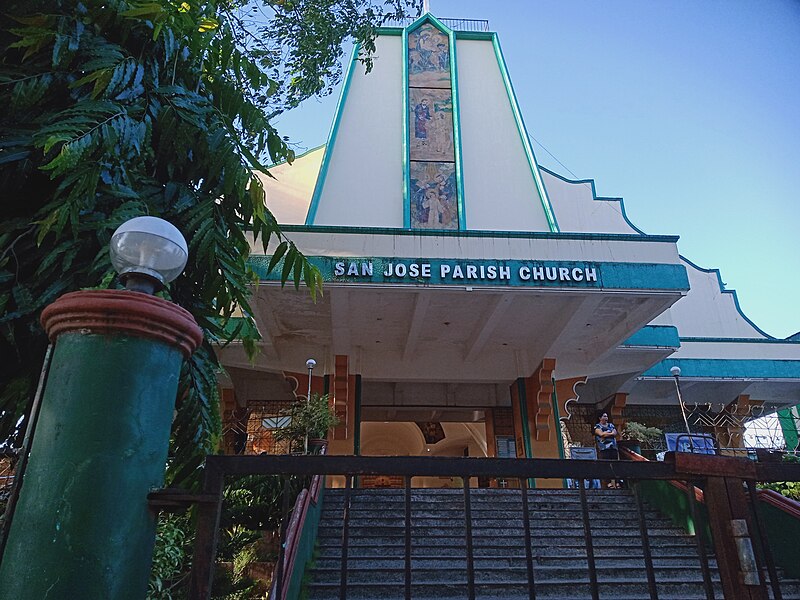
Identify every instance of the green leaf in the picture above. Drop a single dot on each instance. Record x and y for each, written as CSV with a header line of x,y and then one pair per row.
x,y
276,257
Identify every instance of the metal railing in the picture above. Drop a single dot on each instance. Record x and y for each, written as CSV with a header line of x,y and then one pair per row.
x,y
454,24
711,473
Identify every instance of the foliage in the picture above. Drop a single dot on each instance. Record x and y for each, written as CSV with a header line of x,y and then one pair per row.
x,y
641,433
312,418
173,542
790,489
124,108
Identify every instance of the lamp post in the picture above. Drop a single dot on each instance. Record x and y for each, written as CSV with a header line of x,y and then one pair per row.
x,y
676,373
310,364
82,527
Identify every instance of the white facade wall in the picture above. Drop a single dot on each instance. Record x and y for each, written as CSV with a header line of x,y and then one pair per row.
x,y
707,311
499,189
577,210
364,182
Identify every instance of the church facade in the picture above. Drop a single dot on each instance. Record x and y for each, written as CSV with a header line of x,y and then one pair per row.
x,y
476,303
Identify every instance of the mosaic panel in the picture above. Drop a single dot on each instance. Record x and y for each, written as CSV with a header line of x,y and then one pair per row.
x,y
433,195
428,58
431,116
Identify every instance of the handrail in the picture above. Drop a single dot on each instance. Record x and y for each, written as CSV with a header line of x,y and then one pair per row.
x,y
307,497
698,493
787,505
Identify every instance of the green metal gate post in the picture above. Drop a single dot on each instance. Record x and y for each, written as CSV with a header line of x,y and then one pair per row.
x,y
82,528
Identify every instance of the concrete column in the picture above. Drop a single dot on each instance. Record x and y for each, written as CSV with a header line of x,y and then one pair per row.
x,y
82,527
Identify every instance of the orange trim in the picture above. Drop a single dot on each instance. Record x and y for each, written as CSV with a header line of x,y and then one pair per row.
x,y
109,312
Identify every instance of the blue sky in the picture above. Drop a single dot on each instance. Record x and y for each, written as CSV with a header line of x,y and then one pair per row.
x,y
687,109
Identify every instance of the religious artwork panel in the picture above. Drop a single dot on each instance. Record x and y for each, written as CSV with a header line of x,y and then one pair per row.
x,y
431,118
428,58
434,202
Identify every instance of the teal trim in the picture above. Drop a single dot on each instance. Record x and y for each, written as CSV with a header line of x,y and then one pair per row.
x,y
674,504
305,548
782,532
491,273
526,144
326,160
727,368
390,30
483,36
462,219
660,336
789,420
480,233
522,396
732,292
357,419
590,182
406,142
741,340
462,215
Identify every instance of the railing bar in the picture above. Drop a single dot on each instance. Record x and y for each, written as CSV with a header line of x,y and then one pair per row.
x,y
648,556
698,537
283,530
408,536
526,523
763,544
589,545
348,480
468,532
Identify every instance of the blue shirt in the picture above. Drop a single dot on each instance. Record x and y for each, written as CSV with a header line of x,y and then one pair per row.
x,y
605,443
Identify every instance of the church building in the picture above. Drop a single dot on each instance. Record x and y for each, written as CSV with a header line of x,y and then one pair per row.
x,y
476,303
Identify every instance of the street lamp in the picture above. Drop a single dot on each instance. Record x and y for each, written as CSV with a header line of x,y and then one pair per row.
x,y
310,364
676,373
148,253
107,407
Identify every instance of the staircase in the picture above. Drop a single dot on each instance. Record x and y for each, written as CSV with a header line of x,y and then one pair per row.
x,y
376,547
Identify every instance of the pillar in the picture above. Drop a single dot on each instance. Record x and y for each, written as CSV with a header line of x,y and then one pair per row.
x,y
82,527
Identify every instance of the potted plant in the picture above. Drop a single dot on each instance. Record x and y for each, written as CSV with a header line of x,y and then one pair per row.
x,y
635,435
309,425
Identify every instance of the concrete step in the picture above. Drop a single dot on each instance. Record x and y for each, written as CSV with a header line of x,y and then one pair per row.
x,y
356,562
618,589
542,552
458,530
457,541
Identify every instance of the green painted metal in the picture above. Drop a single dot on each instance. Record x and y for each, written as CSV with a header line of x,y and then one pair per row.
x,y
789,419
326,160
406,142
481,233
357,419
674,504
82,527
462,215
526,431
526,144
782,531
305,548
